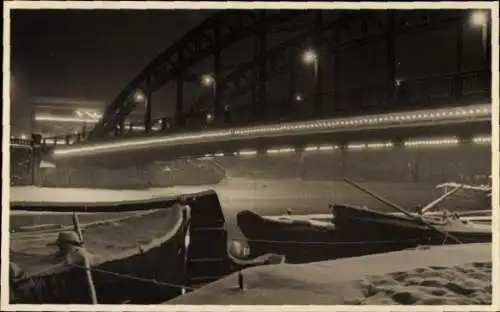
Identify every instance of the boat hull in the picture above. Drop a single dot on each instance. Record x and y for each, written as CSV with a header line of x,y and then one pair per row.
x,y
366,224
354,232
163,260
299,242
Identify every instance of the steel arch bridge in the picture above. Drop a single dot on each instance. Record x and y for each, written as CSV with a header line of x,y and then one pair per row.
x,y
339,31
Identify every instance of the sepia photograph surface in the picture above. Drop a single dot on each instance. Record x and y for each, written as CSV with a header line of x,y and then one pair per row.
x,y
217,155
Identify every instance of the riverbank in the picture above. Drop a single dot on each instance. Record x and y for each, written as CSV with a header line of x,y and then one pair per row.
x,y
440,275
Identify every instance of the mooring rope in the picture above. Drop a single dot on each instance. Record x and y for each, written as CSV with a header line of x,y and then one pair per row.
x,y
131,277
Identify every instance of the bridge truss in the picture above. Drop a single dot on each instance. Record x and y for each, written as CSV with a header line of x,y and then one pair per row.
x,y
328,35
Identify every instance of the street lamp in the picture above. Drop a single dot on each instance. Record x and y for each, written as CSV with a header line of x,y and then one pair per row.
x,y
311,57
139,97
480,19
209,118
208,80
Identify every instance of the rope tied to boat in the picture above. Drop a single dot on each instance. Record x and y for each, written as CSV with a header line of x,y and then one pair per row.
x,y
136,278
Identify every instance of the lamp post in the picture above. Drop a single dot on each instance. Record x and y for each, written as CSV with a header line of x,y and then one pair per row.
x,y
209,81
310,57
479,19
140,98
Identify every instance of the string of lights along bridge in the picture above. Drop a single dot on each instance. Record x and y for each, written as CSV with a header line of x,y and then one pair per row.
x,y
414,118
436,142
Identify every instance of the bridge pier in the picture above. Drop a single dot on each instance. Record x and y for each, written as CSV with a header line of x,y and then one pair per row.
x,y
391,56
121,127
335,69
217,74
36,159
458,85
486,39
292,83
317,64
486,46
147,117
179,107
262,73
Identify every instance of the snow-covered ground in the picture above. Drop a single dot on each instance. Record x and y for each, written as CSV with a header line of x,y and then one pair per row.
x,y
440,275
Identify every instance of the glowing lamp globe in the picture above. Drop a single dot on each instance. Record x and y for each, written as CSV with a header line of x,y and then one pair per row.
x,y
479,18
139,97
207,80
309,57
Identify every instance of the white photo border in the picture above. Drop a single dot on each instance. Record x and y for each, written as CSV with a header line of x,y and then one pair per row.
x,y
142,5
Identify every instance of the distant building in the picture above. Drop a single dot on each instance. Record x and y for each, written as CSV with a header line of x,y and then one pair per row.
x,y
61,116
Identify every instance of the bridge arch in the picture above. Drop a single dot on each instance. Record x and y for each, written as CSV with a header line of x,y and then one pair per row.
x,y
219,31
225,28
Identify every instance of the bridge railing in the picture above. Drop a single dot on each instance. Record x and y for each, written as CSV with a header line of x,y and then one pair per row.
x,y
438,91
21,142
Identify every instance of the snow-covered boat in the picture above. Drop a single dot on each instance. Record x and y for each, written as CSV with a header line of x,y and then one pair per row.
x,y
125,255
355,231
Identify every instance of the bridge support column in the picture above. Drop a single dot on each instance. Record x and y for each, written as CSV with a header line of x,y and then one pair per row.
x,y
344,160
121,127
164,124
217,74
487,45
147,117
487,50
179,107
335,68
36,159
458,85
293,83
254,97
391,55
318,65
262,75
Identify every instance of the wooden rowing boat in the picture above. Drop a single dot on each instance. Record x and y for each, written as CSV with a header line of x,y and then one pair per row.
x,y
126,255
363,223
288,237
353,232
